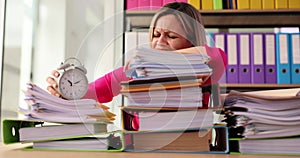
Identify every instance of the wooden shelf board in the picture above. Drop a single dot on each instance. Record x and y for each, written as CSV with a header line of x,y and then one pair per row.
x,y
262,86
252,11
226,88
229,18
224,11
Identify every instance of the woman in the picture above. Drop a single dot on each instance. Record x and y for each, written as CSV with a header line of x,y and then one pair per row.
x,y
175,27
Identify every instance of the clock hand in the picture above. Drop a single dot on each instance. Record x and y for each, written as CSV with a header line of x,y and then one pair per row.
x,y
70,82
77,82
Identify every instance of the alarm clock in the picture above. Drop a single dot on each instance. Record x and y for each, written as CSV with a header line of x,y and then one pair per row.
x,y
72,83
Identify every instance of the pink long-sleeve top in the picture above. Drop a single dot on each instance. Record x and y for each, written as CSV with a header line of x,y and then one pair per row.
x,y
108,86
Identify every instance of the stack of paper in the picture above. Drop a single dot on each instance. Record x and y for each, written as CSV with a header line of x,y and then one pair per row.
x,y
47,107
150,63
165,78
56,123
164,110
163,93
172,130
262,119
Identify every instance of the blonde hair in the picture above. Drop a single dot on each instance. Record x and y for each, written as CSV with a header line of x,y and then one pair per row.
x,y
188,16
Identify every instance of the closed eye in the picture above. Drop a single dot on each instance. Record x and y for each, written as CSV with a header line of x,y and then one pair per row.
x,y
156,35
173,37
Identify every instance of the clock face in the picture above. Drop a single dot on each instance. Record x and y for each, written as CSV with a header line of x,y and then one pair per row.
x,y
73,84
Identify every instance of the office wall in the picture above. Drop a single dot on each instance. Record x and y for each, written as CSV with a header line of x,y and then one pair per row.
x,y
41,34
2,15
11,59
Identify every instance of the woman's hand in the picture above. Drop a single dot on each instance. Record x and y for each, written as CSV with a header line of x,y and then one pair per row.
x,y
192,50
52,88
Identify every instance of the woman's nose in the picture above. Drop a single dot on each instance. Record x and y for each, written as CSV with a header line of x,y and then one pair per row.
x,y
162,39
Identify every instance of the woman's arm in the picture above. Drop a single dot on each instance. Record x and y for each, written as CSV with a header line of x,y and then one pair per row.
x,y
105,88
218,59
193,50
108,86
218,62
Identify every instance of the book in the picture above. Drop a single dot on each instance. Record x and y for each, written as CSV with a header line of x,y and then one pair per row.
x,y
270,58
221,42
60,131
287,146
131,4
172,141
293,4
243,4
210,140
217,4
167,1
144,4
232,69
74,144
106,142
233,4
162,119
283,59
206,4
226,4
267,4
295,58
257,58
281,4
70,136
255,4
244,58
47,107
195,3
156,4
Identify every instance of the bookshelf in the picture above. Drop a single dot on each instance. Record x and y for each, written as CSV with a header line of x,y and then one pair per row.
x,y
251,87
225,19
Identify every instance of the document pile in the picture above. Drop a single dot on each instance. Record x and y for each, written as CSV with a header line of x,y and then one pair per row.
x,y
165,79
164,111
268,125
59,124
47,107
150,63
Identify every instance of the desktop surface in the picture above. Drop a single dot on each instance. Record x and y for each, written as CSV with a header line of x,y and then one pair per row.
x,y
18,151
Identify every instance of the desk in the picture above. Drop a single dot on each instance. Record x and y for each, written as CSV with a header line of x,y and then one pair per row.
x,y
16,151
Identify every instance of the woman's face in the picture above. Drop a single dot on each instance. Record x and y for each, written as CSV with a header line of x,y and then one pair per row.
x,y
169,35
